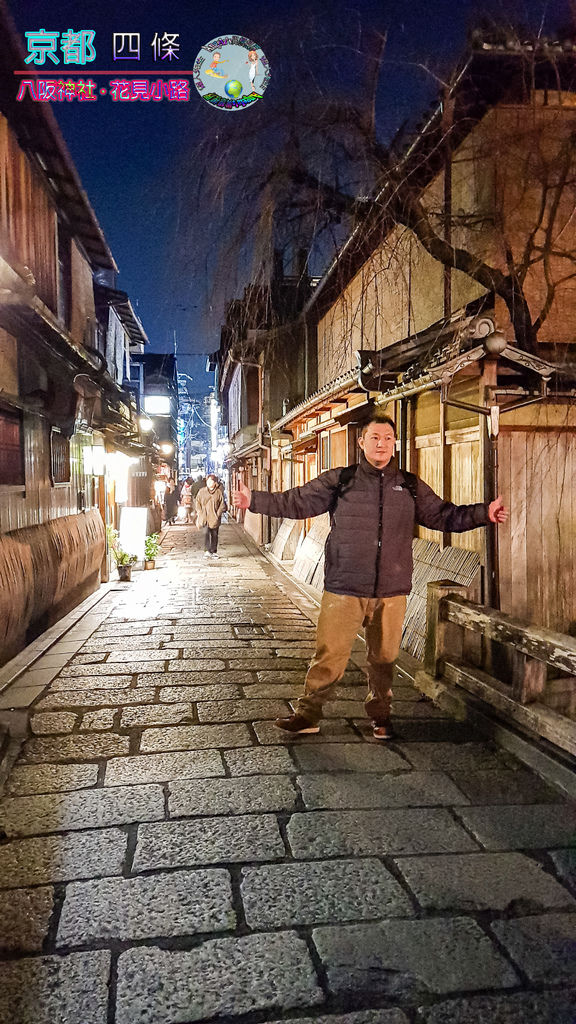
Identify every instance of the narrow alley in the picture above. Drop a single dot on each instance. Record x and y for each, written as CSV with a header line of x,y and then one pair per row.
x,y
168,855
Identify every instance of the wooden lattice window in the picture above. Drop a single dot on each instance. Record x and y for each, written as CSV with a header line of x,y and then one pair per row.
x,y
325,452
59,457
11,456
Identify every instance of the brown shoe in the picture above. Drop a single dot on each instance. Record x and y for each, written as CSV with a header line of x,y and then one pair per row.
x,y
383,731
297,725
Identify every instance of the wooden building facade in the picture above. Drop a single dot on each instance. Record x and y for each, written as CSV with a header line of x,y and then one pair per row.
x,y
477,410
66,338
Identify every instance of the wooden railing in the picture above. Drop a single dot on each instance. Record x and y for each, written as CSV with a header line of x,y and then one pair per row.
x,y
465,641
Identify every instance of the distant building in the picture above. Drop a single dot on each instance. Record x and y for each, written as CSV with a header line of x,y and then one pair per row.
x,y
156,381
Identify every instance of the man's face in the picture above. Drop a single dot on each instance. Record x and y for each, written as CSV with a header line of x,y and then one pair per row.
x,y
378,444
211,484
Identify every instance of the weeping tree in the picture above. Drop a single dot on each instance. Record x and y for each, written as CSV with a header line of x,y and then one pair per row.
x,y
311,163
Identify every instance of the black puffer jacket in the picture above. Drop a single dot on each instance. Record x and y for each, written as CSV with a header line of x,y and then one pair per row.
x,y
369,548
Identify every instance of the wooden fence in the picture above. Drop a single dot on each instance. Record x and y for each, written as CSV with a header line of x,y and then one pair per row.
x,y
45,571
512,668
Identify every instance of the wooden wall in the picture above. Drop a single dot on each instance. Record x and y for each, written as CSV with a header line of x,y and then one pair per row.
x,y
538,544
40,500
45,571
27,217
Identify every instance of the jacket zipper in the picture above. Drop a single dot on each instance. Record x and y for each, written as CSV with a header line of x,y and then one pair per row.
x,y
379,549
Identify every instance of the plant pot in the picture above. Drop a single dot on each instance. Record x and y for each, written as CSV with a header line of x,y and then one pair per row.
x,y
124,573
150,563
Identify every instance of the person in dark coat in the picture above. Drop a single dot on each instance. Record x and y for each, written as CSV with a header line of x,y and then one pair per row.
x,y
170,503
368,564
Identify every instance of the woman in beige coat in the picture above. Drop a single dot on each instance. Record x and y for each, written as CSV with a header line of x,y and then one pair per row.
x,y
210,506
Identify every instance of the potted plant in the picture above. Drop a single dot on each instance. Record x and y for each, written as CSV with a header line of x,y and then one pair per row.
x,y
151,547
124,561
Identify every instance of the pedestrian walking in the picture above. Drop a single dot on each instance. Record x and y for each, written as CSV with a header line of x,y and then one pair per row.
x,y
210,507
368,564
170,503
186,499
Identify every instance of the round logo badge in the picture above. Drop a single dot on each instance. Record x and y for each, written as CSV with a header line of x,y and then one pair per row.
x,y
231,72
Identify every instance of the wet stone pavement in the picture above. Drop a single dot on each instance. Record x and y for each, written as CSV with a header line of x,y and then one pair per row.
x,y
168,856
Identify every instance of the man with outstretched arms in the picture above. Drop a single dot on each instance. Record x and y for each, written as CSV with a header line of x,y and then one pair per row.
x,y
373,507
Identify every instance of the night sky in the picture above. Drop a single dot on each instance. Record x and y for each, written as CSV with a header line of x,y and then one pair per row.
x,y
136,159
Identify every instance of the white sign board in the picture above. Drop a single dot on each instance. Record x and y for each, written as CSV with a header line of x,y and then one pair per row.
x,y
133,523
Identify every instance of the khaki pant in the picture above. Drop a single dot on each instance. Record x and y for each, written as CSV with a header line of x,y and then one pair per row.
x,y
340,619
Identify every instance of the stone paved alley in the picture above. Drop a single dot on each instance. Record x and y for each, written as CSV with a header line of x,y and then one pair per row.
x,y
167,856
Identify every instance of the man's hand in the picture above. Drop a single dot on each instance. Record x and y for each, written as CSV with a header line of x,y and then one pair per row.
x,y
496,511
243,496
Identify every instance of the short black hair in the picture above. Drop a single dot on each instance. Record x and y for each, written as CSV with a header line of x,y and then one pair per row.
x,y
378,418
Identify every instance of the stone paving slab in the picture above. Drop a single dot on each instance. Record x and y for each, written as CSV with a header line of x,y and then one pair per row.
x,y
449,757
507,882
286,895
101,720
195,737
361,1017
56,990
208,631
97,698
242,710
195,664
343,709
318,834
346,757
146,654
115,625
197,692
231,796
95,808
25,916
277,691
331,731
519,1008
260,664
91,658
60,858
74,748
283,678
48,722
113,643
208,841
96,672
25,780
525,827
414,709
149,768
544,947
505,786
157,714
179,903
96,682
410,730
411,789
187,649
239,975
258,761
177,677
408,959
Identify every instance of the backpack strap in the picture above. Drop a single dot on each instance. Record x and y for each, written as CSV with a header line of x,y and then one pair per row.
x,y
410,483
347,474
